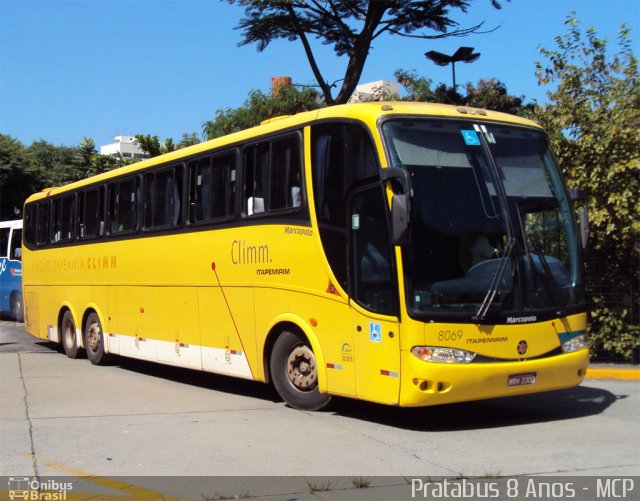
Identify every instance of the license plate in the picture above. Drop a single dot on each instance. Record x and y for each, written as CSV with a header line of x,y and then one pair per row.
x,y
522,379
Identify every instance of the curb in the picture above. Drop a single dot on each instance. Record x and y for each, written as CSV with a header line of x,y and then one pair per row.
x,y
619,374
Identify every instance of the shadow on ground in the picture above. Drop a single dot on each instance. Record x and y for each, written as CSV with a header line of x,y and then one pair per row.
x,y
573,403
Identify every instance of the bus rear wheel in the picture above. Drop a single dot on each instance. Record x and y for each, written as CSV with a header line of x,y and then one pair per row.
x,y
68,334
94,340
294,371
17,307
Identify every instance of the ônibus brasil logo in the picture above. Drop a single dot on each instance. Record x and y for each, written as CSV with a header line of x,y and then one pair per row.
x,y
38,490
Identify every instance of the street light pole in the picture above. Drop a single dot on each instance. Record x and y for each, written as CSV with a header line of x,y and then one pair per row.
x,y
464,54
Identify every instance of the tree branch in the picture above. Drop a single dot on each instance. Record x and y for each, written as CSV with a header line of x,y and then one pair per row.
x,y
456,33
358,55
326,90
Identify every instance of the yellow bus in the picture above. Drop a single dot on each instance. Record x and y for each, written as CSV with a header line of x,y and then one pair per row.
x,y
402,253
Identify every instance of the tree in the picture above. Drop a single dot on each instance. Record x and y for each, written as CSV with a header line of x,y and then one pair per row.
x,y
87,150
350,26
489,94
259,107
18,179
188,140
55,165
26,170
149,144
85,158
168,146
89,162
417,88
492,95
593,116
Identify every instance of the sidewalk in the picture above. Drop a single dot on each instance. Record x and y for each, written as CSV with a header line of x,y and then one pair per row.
x,y
614,371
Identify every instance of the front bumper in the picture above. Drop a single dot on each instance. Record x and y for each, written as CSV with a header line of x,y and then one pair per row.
x,y
426,383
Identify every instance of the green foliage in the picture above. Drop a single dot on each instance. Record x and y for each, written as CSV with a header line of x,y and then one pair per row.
x,y
593,118
350,27
86,151
488,94
17,177
259,107
417,88
492,95
25,170
611,333
52,163
188,140
151,144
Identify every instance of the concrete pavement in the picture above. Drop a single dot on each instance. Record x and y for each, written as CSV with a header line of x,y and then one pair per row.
x,y
125,427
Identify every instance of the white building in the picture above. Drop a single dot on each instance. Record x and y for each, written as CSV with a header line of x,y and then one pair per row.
x,y
381,90
125,147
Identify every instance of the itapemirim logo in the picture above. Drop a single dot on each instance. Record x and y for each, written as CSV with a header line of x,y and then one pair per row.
x,y
35,489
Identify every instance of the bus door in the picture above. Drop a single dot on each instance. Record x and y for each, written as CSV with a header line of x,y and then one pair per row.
x,y
373,297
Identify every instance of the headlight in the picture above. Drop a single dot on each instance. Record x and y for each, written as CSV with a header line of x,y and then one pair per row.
x,y
575,343
442,355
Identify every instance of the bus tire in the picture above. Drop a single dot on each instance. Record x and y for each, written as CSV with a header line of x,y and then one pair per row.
x,y
294,373
68,335
17,307
94,340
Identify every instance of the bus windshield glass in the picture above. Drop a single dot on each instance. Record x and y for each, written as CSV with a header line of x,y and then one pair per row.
x,y
493,235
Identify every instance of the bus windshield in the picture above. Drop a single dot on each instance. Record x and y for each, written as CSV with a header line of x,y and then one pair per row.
x,y
493,235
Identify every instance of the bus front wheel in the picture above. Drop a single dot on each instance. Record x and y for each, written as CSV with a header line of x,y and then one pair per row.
x,y
294,371
94,340
69,338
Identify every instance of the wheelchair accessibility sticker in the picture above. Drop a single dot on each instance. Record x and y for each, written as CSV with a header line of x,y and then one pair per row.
x,y
375,332
470,137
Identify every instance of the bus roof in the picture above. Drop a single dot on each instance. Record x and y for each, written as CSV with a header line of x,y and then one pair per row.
x,y
368,112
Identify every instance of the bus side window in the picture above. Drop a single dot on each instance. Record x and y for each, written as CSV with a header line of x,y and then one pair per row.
x,y
43,222
55,209
212,187
15,249
166,198
112,207
286,175
63,218
199,189
343,157
223,186
256,179
148,182
273,176
30,216
4,241
162,205
91,213
123,206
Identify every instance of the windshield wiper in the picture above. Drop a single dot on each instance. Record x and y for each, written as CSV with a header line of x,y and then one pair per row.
x,y
547,278
497,277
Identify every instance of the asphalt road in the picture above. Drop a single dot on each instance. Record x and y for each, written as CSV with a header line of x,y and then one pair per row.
x,y
66,417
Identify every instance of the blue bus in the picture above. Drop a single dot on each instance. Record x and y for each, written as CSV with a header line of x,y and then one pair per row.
x,y
11,269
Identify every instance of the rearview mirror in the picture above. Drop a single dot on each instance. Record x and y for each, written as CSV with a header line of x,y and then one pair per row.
x,y
400,219
583,218
401,175
400,204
